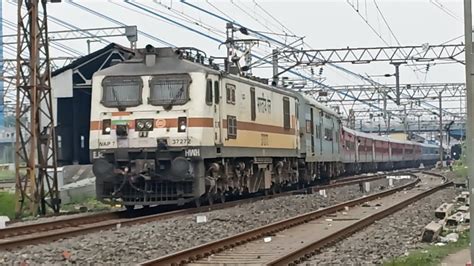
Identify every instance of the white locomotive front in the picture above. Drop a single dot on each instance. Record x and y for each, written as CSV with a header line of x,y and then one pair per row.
x,y
168,129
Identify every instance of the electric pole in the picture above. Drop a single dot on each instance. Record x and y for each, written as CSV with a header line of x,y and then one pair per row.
x,y
35,160
470,110
441,151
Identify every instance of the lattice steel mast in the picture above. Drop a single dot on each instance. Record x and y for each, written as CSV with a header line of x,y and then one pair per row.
x,y
35,160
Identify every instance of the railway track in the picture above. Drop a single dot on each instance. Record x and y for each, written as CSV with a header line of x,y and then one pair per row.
x,y
20,235
7,184
293,240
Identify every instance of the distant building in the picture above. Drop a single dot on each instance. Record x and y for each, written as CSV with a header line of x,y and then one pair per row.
x,y
7,145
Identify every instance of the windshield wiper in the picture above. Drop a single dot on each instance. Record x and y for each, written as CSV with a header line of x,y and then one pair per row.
x,y
119,105
176,97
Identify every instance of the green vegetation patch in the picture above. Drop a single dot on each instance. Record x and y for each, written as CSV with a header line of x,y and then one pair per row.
x,y
460,169
432,255
7,175
90,204
7,204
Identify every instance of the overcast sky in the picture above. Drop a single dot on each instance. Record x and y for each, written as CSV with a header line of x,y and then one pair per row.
x,y
323,24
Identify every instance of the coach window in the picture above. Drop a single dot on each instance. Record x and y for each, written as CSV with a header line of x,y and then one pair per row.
x,y
253,112
231,127
209,92
230,93
286,112
216,92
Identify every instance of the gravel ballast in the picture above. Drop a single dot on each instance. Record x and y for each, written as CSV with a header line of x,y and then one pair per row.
x,y
138,243
388,238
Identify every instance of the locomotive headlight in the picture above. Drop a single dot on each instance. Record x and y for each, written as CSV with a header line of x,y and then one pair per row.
x,y
144,124
140,125
148,125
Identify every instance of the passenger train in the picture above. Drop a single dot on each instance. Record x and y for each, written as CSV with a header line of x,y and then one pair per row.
x,y
168,128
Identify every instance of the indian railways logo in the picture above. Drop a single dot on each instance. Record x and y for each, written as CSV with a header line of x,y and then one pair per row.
x,y
192,153
160,123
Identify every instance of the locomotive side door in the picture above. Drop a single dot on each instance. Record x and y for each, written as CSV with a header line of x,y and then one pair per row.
x,y
217,111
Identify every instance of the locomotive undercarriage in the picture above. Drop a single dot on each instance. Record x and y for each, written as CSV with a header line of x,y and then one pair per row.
x,y
168,177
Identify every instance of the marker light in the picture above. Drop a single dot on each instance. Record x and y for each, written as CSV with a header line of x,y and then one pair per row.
x,y
106,126
182,124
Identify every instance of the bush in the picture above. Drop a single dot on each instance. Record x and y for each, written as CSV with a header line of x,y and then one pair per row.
x,y
7,204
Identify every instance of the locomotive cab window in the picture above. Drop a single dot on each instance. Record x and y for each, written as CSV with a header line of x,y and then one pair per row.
x,y
286,112
169,89
121,92
209,92
230,93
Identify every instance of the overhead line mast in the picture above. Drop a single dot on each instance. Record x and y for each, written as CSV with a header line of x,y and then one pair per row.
x,y
35,159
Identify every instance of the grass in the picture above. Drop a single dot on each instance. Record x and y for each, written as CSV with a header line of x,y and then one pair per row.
x,y
432,255
460,169
7,174
88,202
7,204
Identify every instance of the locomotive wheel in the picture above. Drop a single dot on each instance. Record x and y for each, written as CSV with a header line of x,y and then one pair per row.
x,y
129,208
197,202
222,197
210,199
275,189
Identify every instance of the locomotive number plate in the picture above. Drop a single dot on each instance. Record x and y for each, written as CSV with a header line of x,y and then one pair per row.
x,y
180,141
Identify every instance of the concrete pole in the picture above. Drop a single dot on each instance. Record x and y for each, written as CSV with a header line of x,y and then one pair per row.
x,y
470,110
441,130
419,128
275,67
397,82
388,124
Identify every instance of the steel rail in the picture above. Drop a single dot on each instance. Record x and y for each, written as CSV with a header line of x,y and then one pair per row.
x,y
311,249
16,236
205,250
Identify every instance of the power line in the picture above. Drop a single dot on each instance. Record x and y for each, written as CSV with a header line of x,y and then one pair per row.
x,y
445,10
386,23
271,16
71,2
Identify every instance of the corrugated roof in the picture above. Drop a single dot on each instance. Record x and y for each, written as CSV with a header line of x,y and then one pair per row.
x,y
78,62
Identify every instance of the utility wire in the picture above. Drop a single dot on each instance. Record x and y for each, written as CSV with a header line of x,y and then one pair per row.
x,y
275,19
219,41
300,75
71,2
446,10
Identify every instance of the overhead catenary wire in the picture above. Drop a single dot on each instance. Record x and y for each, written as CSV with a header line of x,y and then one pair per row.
x,y
446,10
219,41
272,39
274,18
142,33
